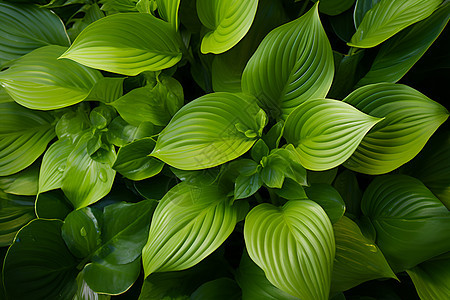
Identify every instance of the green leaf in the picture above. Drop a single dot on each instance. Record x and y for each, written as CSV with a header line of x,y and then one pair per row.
x,y
220,289
334,7
254,283
327,176
73,124
189,223
4,96
357,259
412,225
81,231
326,132
15,212
432,278
286,69
168,10
24,135
134,163
388,17
86,180
346,75
273,171
410,118
247,185
291,190
259,150
106,90
28,27
38,264
402,51
53,205
361,8
39,80
84,292
227,23
127,43
347,185
210,131
121,133
328,198
89,12
282,241
24,182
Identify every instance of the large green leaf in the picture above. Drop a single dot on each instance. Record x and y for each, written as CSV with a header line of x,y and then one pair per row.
x,y
127,43
121,133
38,264
52,205
39,80
189,223
402,51
410,118
86,180
357,259
432,278
328,198
412,225
334,7
388,17
227,21
27,27
294,245
23,183
4,96
15,212
24,135
292,64
361,8
210,131
346,183
168,10
84,292
326,132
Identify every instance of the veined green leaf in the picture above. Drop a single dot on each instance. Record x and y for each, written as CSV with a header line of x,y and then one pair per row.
x,y
107,89
118,6
23,183
168,10
38,264
294,245
412,225
228,22
24,135
326,132
410,118
84,292
388,17
402,51
361,8
210,131
357,258
189,223
28,27
127,43
39,80
4,96
328,198
292,64
334,7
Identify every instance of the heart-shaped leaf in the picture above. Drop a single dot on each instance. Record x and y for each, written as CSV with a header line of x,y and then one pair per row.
x,y
227,21
189,223
127,43
388,17
24,135
287,69
412,225
28,27
210,131
410,118
326,132
294,245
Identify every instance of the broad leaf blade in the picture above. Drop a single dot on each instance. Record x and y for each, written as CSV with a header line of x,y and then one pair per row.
x,y
282,241
168,10
114,44
328,198
361,8
23,183
334,7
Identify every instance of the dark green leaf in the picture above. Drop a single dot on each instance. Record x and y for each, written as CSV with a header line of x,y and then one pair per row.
x,y
334,7
328,198
247,185
220,289
347,185
259,150
24,182
53,205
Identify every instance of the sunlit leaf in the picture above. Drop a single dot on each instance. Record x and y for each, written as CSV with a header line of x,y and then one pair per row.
x,y
168,10
24,182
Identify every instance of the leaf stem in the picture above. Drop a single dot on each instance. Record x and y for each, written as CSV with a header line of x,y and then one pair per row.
x,y
352,51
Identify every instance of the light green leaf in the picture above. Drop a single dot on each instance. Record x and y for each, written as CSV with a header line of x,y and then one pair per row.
x,y
412,225
247,185
39,80
189,223
168,10
326,132
402,51
52,205
28,27
24,182
15,212
361,8
121,133
38,264
259,150
328,198
432,278
127,43
410,118
228,22
334,7
220,289
116,6
106,90
210,131
24,135
73,123
86,180
292,64
388,17
357,259
294,245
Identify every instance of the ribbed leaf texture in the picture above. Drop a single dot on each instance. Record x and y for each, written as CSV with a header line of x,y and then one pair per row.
x,y
326,132
410,118
127,43
292,64
168,10
294,245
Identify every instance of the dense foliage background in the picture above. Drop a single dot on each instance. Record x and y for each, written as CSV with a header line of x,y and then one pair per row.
x,y
214,149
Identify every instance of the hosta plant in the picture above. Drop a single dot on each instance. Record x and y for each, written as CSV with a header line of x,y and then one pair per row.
x,y
213,149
